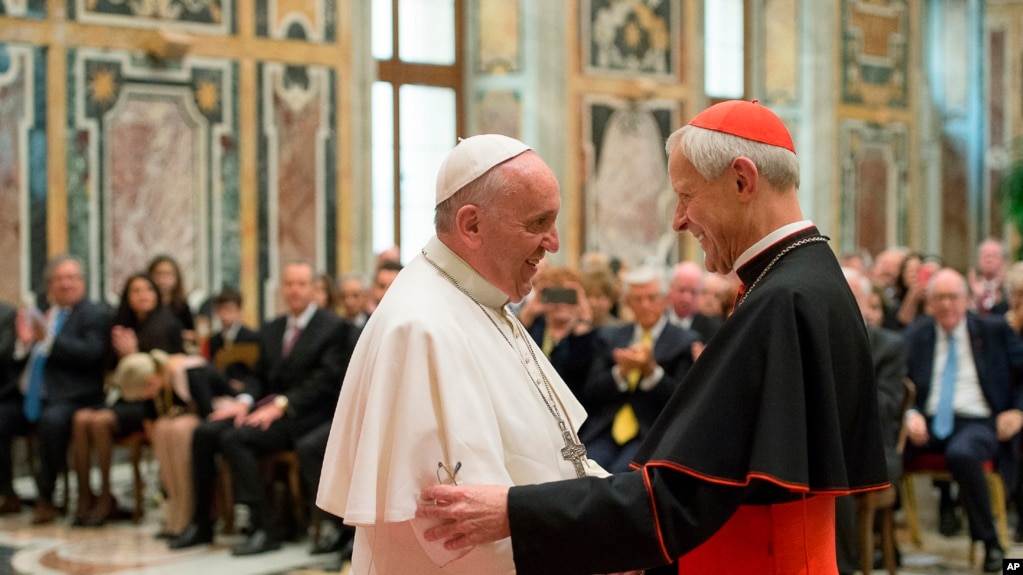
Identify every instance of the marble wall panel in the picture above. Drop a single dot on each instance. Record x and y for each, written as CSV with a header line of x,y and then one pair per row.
x,y
296,111
80,186
206,16
956,244
499,111
958,55
150,156
630,37
781,56
998,141
313,20
875,63
874,160
15,112
627,178
155,140
225,262
23,170
499,43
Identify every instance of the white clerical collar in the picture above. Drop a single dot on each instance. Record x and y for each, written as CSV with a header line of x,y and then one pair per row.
x,y
464,275
769,240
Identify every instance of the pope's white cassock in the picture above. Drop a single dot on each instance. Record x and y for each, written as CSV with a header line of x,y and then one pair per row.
x,y
437,378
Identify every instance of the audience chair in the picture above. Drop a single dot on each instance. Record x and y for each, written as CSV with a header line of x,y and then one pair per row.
x,y
136,443
882,502
223,498
286,460
933,465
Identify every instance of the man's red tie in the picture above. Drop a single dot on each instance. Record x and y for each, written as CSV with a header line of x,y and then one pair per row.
x,y
289,343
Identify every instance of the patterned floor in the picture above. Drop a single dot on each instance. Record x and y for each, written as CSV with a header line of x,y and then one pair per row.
x,y
125,548
130,549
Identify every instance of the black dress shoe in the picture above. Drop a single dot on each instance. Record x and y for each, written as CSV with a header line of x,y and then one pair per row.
x,y
194,534
993,556
344,557
259,542
327,543
346,550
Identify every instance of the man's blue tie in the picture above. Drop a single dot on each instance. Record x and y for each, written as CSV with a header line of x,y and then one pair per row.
x,y
945,414
34,393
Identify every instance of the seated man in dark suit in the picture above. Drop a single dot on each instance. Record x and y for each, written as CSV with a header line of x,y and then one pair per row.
x,y
687,285
63,354
334,535
302,358
889,354
964,367
637,367
10,400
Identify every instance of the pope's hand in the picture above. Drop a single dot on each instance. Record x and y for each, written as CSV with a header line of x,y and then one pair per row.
x,y
472,514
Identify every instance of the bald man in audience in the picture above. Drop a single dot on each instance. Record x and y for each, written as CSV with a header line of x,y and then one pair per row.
x,y
684,293
965,367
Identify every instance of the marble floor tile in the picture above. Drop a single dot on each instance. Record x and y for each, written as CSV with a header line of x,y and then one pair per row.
x,y
122,547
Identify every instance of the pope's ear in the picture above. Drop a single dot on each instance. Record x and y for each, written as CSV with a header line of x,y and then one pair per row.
x,y
467,224
746,177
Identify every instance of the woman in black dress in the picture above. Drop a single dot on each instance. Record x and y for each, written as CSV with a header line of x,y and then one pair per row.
x,y
142,324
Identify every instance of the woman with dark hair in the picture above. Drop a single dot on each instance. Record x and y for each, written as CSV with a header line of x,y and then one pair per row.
x,y
142,324
166,274
911,286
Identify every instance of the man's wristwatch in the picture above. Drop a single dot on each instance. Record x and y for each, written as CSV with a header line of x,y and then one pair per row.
x,y
281,402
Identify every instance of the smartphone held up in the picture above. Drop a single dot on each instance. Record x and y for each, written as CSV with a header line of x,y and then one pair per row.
x,y
558,295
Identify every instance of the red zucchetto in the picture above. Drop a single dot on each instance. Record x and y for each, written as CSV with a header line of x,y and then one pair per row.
x,y
747,120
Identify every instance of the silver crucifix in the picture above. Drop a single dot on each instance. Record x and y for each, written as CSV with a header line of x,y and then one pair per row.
x,y
574,452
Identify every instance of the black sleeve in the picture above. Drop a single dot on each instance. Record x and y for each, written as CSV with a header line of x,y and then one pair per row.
x,y
592,525
319,390
891,371
9,372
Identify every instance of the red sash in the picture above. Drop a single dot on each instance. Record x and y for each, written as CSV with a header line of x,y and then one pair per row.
x,y
783,539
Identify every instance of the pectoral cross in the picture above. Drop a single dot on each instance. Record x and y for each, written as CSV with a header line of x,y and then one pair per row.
x,y
574,451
